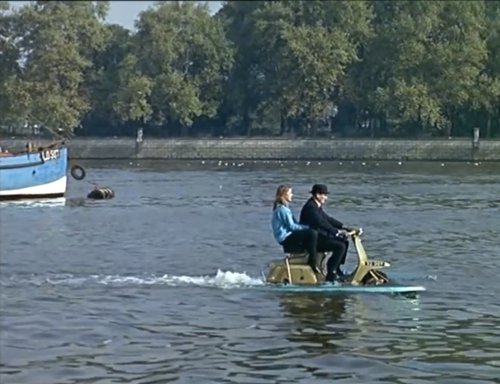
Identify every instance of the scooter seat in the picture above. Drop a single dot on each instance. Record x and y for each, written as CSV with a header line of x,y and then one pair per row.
x,y
296,255
299,259
291,249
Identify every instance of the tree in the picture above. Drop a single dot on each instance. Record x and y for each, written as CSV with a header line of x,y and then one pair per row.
x,y
242,93
424,61
185,54
298,55
486,98
130,101
106,79
57,41
13,102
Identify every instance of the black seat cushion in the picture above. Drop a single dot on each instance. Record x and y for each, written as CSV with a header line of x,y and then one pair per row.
x,y
296,249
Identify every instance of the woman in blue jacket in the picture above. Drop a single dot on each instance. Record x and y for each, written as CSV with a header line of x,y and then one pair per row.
x,y
288,232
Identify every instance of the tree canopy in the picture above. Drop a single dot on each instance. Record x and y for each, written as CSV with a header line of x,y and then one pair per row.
x,y
307,68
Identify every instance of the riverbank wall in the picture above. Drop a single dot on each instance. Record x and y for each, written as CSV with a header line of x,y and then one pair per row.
x,y
275,149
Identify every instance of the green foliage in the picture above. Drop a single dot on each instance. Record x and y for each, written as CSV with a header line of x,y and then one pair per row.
x,y
425,60
184,51
379,68
56,40
130,99
293,55
106,78
9,68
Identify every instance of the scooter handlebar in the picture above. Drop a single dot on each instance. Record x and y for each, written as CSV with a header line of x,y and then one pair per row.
x,y
356,232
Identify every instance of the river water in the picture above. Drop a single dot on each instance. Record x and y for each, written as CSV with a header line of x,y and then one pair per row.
x,y
164,284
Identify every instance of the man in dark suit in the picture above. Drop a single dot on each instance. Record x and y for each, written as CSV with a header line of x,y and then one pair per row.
x,y
332,234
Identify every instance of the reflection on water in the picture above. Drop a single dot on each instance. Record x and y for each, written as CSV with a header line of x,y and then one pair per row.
x,y
317,321
34,203
163,282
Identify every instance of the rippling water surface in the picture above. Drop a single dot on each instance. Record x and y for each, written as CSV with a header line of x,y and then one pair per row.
x,y
164,282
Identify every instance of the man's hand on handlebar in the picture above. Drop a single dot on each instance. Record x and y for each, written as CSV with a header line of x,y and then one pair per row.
x,y
353,230
342,233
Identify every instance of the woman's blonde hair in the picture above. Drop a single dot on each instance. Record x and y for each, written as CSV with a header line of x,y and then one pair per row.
x,y
280,195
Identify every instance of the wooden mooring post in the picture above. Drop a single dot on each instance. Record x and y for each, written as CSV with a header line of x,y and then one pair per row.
x,y
138,142
475,143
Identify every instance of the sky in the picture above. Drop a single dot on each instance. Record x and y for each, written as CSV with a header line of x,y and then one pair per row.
x,y
125,12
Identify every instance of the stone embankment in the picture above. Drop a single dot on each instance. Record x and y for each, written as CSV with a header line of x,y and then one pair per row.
x,y
277,149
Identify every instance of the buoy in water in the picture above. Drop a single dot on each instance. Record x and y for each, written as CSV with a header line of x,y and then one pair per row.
x,y
100,193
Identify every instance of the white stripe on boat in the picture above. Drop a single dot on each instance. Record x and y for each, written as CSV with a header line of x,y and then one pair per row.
x,y
57,187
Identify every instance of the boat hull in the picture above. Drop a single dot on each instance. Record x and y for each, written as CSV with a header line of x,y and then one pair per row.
x,y
34,175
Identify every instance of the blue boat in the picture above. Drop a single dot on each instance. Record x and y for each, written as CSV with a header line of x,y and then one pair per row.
x,y
34,173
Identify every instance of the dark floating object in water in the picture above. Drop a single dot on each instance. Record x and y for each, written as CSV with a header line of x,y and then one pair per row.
x,y
77,172
100,193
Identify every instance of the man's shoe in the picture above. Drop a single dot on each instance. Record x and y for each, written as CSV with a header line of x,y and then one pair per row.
x,y
340,273
331,277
